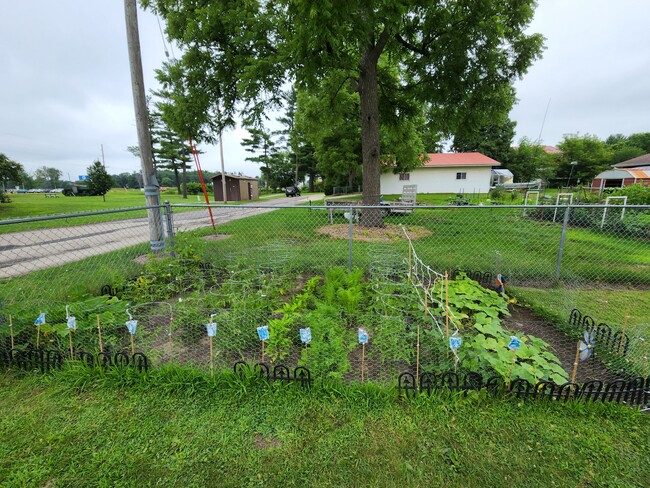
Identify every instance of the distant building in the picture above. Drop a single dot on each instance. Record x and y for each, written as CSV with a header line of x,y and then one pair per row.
x,y
238,188
625,173
445,173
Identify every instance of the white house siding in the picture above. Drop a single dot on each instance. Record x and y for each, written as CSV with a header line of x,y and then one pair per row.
x,y
440,180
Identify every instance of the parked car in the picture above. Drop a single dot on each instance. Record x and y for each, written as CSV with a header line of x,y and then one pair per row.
x,y
292,191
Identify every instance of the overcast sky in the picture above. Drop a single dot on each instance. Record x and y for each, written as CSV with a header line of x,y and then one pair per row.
x,y
65,86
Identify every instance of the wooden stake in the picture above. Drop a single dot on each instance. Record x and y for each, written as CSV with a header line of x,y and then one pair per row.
x,y
627,316
363,359
99,333
512,365
11,331
575,364
211,359
71,350
446,306
410,259
263,342
132,345
417,357
171,327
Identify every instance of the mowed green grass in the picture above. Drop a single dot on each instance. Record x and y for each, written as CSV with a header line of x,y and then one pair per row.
x,y
174,428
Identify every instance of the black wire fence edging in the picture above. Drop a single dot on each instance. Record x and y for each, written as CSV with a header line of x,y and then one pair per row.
x,y
47,360
618,342
633,391
300,375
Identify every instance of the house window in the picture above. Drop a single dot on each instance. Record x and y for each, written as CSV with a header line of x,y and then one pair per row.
x,y
461,176
404,176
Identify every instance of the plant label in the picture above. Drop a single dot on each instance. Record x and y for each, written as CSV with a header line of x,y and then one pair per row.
x,y
72,323
305,335
263,333
514,343
132,325
363,337
212,329
455,342
40,320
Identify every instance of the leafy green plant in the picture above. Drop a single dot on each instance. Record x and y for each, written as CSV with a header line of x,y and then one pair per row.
x,y
327,354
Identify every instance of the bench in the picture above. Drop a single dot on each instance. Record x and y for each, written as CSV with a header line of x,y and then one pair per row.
x,y
51,195
406,203
332,204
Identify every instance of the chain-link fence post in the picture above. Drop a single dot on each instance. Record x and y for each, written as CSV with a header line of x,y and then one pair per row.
x,y
560,251
169,221
351,218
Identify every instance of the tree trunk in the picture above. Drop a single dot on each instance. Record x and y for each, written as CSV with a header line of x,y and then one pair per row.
x,y
184,180
370,137
178,181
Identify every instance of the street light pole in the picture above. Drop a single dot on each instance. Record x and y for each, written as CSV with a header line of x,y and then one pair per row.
x,y
573,165
151,186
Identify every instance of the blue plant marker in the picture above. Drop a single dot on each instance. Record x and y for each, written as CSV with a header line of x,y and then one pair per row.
x,y
515,343
455,342
363,337
305,335
212,329
40,320
263,333
72,323
132,325
587,346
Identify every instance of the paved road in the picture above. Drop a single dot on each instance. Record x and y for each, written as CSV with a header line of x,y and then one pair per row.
x,y
24,252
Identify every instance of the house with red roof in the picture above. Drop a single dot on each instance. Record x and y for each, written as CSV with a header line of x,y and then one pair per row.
x,y
444,173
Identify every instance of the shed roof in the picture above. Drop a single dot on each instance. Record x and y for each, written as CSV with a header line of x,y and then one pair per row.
x,y
635,162
234,177
619,174
441,160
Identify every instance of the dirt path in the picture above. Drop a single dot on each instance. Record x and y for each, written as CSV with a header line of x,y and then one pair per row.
x,y
564,347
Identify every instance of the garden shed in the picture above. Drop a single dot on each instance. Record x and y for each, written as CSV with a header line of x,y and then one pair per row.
x,y
619,178
445,173
238,188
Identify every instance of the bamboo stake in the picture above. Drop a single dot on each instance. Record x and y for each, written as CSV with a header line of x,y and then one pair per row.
x,y
512,365
575,363
71,350
446,306
38,333
171,342
627,316
211,359
643,358
417,355
11,331
99,333
363,359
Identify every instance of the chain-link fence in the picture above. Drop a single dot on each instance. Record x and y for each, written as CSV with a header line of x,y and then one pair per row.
x,y
371,301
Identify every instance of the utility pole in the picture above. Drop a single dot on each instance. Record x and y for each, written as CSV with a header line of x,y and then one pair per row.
x,y
223,171
151,186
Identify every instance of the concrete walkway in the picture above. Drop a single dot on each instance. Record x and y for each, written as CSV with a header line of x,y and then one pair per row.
x,y
24,252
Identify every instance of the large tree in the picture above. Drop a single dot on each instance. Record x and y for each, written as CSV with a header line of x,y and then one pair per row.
x,y
493,140
47,177
457,58
583,157
10,170
99,180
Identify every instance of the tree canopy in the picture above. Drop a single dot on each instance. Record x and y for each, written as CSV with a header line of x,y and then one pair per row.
x,y
99,180
456,60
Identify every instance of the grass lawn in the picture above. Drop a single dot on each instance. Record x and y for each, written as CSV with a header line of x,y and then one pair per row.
x,y
178,428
